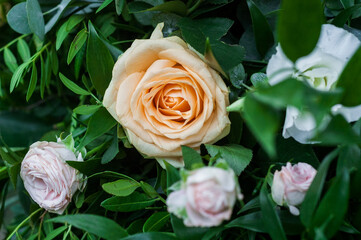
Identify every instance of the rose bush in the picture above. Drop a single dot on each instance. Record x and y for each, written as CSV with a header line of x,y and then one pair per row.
x,y
165,96
49,180
321,70
206,197
290,185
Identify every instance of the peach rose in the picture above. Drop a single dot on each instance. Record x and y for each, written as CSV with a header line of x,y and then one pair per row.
x,y
290,185
165,96
49,180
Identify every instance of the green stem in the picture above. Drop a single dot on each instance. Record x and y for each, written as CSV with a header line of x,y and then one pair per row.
x,y
195,6
13,41
23,222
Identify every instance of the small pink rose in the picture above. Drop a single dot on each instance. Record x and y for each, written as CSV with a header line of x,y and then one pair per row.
x,y
206,198
49,180
291,184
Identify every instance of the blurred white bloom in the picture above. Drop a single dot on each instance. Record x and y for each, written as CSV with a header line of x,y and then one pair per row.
x,y
321,69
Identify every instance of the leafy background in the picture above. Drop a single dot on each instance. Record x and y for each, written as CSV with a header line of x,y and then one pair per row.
x,y
56,62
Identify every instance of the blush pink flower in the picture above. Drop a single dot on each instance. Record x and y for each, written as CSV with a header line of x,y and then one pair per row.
x,y
206,198
291,184
49,180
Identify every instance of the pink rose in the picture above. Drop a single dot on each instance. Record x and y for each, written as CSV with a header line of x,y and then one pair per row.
x,y
291,184
206,198
49,180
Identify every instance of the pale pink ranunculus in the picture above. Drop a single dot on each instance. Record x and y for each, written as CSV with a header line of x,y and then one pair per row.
x,y
206,198
291,184
49,180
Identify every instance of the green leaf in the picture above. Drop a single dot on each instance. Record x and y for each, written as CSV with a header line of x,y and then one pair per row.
x,y
17,18
349,81
237,76
14,171
261,28
263,121
23,50
172,175
341,19
299,38
228,56
152,236
43,76
86,109
97,225
156,222
190,157
338,131
252,221
66,28
88,167
33,81
135,201
53,234
10,60
177,7
138,6
99,67
35,18
112,151
259,80
121,188
148,189
269,216
54,61
119,6
237,156
72,86
61,8
104,5
187,233
77,44
101,122
333,206
18,75
314,192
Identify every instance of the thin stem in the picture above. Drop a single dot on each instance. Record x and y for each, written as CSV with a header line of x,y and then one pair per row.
x,y
13,41
195,6
23,222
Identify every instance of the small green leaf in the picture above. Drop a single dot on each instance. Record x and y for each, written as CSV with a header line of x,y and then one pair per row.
x,y
333,204
112,151
190,157
104,5
349,81
305,33
172,175
259,80
35,18
270,218
66,28
18,75
121,188
17,18
119,5
10,60
135,201
86,109
152,236
72,86
43,76
263,121
101,122
261,28
189,233
23,50
97,225
77,44
99,67
53,234
33,81
156,222
314,192
237,156
237,76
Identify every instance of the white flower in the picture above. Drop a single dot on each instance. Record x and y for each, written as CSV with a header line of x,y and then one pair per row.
x,y
206,198
321,69
290,185
49,180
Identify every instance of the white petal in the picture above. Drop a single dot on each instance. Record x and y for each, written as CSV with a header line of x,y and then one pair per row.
x,y
351,114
